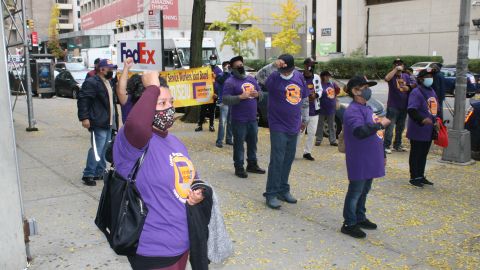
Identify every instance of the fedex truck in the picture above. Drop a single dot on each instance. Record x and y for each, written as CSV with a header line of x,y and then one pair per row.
x,y
176,53
89,55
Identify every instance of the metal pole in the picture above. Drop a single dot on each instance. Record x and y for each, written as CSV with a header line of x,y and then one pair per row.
x,y
368,31
459,148
28,77
314,25
162,38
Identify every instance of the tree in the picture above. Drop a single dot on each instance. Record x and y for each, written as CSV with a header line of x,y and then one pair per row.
x,y
53,43
239,14
196,38
286,40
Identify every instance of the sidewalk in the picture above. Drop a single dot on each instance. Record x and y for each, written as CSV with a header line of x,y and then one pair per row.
x,y
431,228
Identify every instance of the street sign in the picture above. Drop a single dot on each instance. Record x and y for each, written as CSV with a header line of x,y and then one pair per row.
x,y
326,32
170,11
153,19
268,42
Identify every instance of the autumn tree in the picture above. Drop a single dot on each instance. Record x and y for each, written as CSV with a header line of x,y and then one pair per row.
x,y
239,14
196,38
286,40
53,43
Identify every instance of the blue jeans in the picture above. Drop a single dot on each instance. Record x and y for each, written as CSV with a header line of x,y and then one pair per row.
x,y
282,153
244,132
225,121
94,167
354,207
398,118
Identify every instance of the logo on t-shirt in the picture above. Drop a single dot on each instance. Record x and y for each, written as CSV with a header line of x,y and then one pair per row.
x,y
330,92
400,84
293,94
247,88
184,175
310,86
432,106
380,133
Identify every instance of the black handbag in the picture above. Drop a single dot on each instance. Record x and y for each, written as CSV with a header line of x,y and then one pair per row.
x,y
121,211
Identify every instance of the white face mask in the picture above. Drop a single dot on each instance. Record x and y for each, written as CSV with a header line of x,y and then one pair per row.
x,y
288,77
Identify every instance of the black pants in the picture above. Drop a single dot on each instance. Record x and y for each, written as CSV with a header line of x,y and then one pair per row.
x,y
207,110
418,158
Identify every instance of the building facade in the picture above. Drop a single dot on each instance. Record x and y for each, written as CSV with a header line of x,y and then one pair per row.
x,y
102,14
393,28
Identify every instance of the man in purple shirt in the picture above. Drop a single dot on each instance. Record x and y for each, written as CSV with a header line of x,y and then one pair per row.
x,y
364,155
328,106
399,87
242,92
208,110
288,110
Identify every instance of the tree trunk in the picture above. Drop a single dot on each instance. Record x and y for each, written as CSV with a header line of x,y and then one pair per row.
x,y
198,25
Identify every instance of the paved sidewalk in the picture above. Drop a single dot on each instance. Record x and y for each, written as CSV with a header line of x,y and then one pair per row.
x,y
432,228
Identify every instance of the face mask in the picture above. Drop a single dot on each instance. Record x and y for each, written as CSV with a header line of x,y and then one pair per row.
x,y
330,80
109,75
163,119
287,77
366,94
239,72
427,82
213,62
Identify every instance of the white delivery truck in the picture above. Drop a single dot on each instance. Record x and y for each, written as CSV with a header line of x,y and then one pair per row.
x,y
176,54
89,55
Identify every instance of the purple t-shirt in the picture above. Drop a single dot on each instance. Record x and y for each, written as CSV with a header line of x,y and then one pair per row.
x,y
397,98
285,102
311,89
365,157
427,106
126,108
246,110
163,182
328,101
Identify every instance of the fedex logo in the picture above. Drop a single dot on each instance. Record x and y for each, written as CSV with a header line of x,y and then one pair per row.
x,y
140,55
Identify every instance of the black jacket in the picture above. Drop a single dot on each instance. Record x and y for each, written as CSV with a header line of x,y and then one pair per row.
x,y
198,217
93,103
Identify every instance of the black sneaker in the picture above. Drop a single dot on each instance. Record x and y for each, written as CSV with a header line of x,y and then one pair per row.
x,y
97,178
287,197
334,144
354,231
229,143
426,182
219,145
308,156
198,129
317,143
273,203
211,128
254,168
416,182
240,172
367,225
88,181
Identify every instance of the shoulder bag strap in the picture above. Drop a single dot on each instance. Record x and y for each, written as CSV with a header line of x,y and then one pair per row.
x,y
132,176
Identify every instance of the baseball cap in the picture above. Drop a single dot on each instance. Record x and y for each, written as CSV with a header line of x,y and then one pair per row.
x,y
309,61
325,73
289,61
397,61
358,81
236,58
106,63
96,61
424,72
213,56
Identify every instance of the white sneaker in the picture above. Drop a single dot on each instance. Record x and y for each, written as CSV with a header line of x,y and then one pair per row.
x,y
388,150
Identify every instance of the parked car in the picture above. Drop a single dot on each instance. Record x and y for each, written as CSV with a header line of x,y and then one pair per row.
x,y
421,65
69,79
450,80
343,101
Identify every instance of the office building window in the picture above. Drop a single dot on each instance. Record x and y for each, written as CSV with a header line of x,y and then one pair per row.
x,y
378,2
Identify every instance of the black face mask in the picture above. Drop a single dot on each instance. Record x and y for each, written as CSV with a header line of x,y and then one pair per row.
x,y
109,75
239,72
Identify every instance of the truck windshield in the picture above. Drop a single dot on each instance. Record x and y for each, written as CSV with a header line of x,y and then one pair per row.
x,y
184,55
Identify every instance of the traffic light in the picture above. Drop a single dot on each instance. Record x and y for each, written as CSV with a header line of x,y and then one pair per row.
x,y
119,23
30,24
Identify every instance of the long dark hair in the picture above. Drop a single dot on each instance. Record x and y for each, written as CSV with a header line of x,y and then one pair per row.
x,y
135,87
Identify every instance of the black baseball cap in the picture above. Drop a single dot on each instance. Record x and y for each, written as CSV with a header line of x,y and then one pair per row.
x,y
309,61
236,58
398,61
424,72
325,73
213,56
96,61
289,61
359,81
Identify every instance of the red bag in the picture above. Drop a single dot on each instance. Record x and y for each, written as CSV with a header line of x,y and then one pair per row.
x,y
442,134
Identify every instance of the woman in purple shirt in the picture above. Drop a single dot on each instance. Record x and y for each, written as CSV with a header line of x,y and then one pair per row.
x,y
163,180
422,112
364,154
